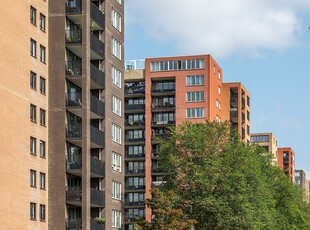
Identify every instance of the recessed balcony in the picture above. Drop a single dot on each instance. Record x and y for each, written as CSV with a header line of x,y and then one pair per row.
x,y
74,196
234,115
134,172
96,48
96,137
74,74
74,167
134,108
74,224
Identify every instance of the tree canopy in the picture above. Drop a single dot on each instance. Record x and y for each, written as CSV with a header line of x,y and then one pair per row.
x,y
219,182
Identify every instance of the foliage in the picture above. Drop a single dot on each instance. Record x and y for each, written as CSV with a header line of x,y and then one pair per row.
x,y
223,183
167,214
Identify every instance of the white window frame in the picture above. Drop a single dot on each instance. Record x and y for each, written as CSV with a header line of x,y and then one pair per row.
x,y
42,180
116,190
33,178
116,19
195,80
116,162
195,112
116,219
219,90
116,49
195,96
116,77
116,105
116,133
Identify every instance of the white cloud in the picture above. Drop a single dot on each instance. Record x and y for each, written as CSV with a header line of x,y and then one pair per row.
x,y
221,27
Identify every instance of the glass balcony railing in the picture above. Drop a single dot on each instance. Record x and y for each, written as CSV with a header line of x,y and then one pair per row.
x,y
73,36
74,99
74,68
74,7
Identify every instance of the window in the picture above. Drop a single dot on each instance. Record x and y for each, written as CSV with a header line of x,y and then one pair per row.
x,y
116,134
219,90
116,162
177,65
116,49
135,150
262,138
33,211
42,148
33,178
217,119
33,48
116,219
195,113
42,117
33,113
248,130
116,190
218,104
33,15
117,105
33,145
42,180
248,100
42,54
42,22
116,20
195,80
195,96
33,80
219,75
42,212
248,115
42,85
119,2
214,69
116,77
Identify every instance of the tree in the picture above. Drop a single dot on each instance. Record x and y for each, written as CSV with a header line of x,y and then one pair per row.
x,y
167,214
223,183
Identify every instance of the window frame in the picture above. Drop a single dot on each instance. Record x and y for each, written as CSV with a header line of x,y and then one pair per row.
x,y
116,134
42,117
42,54
42,22
116,20
116,105
33,113
116,190
116,162
33,178
116,218
33,15
33,48
42,212
33,80
33,146
116,49
116,77
42,149
33,211
42,181
42,85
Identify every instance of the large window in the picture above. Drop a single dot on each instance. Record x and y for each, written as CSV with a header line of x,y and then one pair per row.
x,y
164,86
136,182
164,118
42,54
195,113
33,145
42,22
116,20
135,135
116,190
33,211
33,15
116,77
136,197
42,180
135,150
116,49
33,48
33,80
33,178
177,65
42,212
116,134
261,138
195,80
116,105
116,219
136,212
116,162
195,96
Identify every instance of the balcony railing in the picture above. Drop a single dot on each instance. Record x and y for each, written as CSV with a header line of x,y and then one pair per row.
x,y
73,36
163,122
134,203
131,139
158,184
164,136
96,197
74,131
135,107
74,68
234,115
135,89
135,171
96,136
73,224
96,106
96,166
135,155
166,90
132,187
74,6
74,99
96,15
97,76
96,45
74,193
95,225
135,123
166,105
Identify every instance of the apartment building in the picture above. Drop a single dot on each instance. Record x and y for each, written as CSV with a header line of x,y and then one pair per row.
x,y
268,141
161,92
236,108
300,178
24,120
286,161
86,118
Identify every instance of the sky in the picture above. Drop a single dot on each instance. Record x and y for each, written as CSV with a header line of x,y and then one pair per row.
x,y
265,44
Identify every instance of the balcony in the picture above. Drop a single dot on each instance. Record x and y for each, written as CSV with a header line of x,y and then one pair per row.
x,y
135,187
162,123
134,108
157,171
131,204
73,7
97,78
134,141
243,118
74,167
96,48
134,124
234,115
74,134
135,172
163,107
74,196
243,103
134,156
96,137
73,36
158,184
97,17
73,224
164,136
96,108
134,89
95,225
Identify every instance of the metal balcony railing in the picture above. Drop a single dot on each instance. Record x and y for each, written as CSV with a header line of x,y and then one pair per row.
x,y
73,36
74,68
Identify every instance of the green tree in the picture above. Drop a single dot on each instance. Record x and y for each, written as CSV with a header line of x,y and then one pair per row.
x,y
223,183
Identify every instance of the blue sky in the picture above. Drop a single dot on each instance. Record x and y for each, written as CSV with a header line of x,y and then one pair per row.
x,y
265,44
